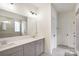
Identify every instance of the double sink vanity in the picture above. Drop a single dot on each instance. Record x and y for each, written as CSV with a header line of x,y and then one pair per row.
x,y
22,46
14,40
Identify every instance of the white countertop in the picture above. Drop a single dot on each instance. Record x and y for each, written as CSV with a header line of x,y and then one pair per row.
x,y
17,41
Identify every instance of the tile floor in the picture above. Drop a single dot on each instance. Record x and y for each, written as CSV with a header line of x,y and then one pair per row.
x,y
61,51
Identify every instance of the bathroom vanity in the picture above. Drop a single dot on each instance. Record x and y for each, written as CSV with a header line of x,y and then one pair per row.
x,y
24,46
14,40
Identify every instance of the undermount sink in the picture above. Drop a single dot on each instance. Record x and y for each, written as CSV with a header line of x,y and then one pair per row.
x,y
5,43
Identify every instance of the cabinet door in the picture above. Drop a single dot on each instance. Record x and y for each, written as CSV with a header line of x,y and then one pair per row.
x,y
39,47
16,51
29,49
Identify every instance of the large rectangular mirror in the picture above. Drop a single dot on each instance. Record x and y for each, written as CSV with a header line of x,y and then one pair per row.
x,y
12,24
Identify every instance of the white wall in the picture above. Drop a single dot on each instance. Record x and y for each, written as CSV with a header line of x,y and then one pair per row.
x,y
44,24
54,27
31,26
66,28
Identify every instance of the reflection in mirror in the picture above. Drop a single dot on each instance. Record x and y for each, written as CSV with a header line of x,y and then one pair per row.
x,y
4,25
11,26
17,26
23,27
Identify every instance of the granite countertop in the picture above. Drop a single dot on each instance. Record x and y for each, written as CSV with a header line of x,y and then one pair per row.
x,y
17,41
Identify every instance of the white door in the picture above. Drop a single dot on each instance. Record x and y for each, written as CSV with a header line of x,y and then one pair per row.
x,y
77,33
54,32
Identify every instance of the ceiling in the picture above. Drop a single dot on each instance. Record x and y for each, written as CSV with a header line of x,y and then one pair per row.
x,y
19,8
63,7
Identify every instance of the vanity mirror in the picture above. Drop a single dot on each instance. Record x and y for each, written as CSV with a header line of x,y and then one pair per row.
x,y
12,24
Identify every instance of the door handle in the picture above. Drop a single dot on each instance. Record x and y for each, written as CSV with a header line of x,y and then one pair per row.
x,y
54,35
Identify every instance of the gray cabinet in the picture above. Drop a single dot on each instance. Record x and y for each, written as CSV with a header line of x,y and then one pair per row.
x,y
16,51
29,49
35,48
39,45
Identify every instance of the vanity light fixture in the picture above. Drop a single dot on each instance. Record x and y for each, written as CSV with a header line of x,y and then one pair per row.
x,y
33,13
12,3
